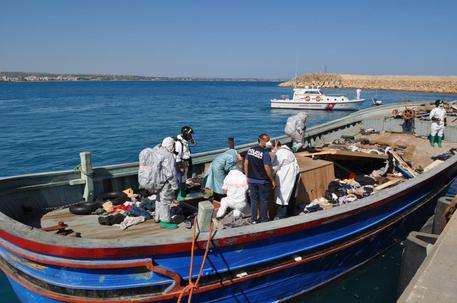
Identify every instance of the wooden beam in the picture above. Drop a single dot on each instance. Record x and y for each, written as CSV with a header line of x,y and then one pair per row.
x,y
343,154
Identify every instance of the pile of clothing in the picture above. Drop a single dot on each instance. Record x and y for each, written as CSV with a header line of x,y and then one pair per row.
x,y
341,192
134,210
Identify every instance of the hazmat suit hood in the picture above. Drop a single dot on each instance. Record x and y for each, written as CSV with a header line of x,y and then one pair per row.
x,y
168,143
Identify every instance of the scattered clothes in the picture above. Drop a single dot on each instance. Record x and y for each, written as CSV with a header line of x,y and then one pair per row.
x,y
108,207
359,192
365,180
111,219
230,220
311,209
129,221
129,192
342,200
119,201
188,223
351,198
339,141
148,203
445,156
176,210
99,211
349,139
123,207
135,211
368,131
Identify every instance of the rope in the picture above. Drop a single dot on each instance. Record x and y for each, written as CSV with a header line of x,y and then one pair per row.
x,y
191,286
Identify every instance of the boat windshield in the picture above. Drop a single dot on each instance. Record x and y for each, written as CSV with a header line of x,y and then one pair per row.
x,y
312,92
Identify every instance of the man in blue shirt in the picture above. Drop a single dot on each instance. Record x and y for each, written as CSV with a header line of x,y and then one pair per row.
x,y
257,168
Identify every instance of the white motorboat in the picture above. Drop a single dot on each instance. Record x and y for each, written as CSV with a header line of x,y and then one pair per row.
x,y
312,98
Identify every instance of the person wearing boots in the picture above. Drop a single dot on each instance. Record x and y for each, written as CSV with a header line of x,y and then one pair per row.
x,y
438,117
157,174
183,156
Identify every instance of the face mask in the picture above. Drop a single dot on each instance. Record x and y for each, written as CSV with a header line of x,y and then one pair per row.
x,y
269,144
441,105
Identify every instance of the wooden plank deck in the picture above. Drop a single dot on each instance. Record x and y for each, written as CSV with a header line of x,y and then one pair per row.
x,y
89,227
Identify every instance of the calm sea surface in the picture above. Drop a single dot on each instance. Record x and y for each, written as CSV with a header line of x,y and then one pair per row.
x,y
44,126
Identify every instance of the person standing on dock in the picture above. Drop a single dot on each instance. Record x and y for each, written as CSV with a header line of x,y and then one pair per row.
x,y
295,129
183,156
257,168
219,169
438,117
157,174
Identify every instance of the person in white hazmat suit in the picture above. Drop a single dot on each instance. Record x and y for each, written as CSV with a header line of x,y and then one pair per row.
x,y
295,128
286,170
235,186
157,174
438,117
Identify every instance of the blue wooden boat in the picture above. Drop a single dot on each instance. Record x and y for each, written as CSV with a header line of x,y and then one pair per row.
x,y
266,262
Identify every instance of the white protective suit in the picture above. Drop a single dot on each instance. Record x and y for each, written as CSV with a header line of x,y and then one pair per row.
x,y
295,128
236,185
182,156
437,127
285,169
157,174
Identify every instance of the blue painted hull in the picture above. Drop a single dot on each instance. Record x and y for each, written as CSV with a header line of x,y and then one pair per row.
x,y
378,229
300,278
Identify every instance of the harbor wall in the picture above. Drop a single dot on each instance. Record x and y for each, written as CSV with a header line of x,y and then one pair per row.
x,y
435,84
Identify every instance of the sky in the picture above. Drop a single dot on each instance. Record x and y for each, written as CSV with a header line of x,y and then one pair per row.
x,y
236,38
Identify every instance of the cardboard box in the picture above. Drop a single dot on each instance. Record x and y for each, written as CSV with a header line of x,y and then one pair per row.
x,y
315,175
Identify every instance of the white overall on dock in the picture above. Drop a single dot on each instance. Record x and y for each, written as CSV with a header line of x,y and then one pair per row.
x,y
312,98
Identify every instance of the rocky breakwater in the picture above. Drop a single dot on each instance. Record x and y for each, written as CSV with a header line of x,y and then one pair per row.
x,y
435,84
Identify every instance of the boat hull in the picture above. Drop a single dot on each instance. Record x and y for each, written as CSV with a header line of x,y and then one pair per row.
x,y
292,280
340,245
317,105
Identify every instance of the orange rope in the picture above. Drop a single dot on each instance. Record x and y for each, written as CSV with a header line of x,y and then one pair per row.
x,y
191,286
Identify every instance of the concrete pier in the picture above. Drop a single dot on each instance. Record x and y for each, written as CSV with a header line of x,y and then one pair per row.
x,y
436,279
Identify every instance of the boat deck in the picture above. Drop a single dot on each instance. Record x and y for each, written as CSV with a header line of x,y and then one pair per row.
x,y
417,150
89,227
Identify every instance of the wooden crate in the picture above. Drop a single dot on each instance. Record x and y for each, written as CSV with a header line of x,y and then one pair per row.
x,y
315,175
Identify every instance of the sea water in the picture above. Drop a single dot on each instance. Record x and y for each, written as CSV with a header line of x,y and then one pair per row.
x,y
45,125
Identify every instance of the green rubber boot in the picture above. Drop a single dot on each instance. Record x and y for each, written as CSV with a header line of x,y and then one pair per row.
x,y
168,225
432,140
440,141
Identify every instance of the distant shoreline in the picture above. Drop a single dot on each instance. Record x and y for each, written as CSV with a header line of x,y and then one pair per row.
x,y
431,84
46,77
